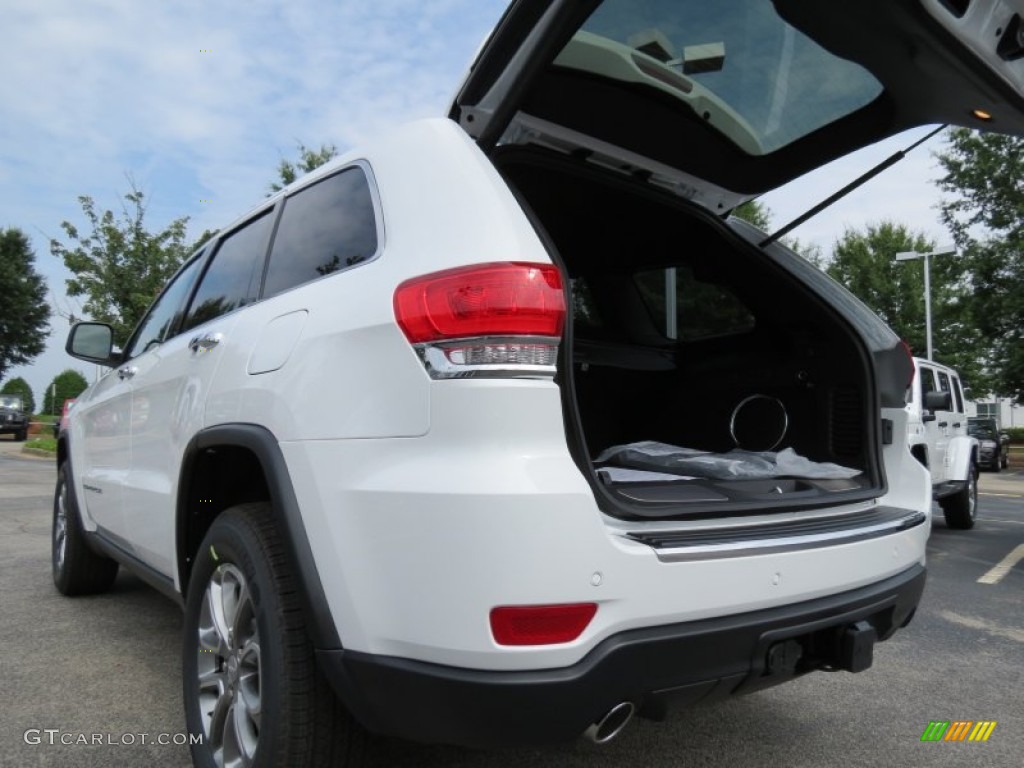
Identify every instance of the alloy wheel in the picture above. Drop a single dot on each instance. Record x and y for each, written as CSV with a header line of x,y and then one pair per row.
x,y
229,669
60,527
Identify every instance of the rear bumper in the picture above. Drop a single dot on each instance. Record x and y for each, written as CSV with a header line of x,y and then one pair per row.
x,y
680,663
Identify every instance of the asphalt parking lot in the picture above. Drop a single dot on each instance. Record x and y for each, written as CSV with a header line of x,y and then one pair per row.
x,y
109,666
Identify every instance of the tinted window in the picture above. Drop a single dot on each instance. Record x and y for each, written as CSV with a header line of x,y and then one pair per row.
x,y
981,429
945,387
584,308
958,395
776,84
229,282
165,314
324,228
927,383
701,309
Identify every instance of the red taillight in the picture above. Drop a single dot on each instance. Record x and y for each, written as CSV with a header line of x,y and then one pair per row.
x,y
506,299
540,624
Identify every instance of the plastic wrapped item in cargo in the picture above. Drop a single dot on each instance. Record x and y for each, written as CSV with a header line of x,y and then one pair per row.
x,y
662,457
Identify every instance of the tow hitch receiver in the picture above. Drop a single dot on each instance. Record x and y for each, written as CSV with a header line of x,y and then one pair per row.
x,y
857,647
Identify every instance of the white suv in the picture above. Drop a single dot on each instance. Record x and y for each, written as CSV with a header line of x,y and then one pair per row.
x,y
939,440
440,441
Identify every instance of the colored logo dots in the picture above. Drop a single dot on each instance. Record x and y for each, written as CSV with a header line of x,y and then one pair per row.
x,y
207,200
206,50
958,730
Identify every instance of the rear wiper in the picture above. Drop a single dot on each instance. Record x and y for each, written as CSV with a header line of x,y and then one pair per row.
x,y
846,190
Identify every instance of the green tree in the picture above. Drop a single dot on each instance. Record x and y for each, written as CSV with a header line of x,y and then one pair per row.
x,y
864,261
119,265
69,383
309,159
756,212
18,386
24,313
760,215
984,174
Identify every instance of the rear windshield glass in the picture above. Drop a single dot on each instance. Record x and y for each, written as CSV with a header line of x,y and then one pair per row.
x,y
738,65
981,429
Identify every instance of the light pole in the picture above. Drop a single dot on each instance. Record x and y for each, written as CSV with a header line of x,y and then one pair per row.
x,y
946,250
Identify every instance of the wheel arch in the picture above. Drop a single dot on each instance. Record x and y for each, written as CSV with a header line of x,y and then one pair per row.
x,y
963,453
229,464
920,452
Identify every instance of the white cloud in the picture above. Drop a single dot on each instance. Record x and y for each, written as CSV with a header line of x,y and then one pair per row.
x,y
95,89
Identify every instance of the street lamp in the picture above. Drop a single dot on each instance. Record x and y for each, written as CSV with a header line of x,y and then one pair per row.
x,y
946,250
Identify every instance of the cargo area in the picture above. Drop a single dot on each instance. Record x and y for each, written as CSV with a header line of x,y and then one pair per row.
x,y
683,335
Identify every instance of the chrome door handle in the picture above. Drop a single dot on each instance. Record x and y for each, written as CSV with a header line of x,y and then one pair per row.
x,y
127,372
204,343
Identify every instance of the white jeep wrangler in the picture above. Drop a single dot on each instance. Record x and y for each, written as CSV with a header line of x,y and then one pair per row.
x,y
938,439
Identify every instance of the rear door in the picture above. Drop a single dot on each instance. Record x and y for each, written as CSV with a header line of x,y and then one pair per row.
x,y
947,420
724,101
171,387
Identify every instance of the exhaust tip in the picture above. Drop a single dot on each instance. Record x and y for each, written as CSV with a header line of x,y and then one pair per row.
x,y
611,724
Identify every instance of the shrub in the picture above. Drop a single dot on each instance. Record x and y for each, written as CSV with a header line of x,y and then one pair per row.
x,y
1016,434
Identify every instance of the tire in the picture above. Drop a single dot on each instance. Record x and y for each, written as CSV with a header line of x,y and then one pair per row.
x,y
252,689
1005,460
21,436
77,570
961,509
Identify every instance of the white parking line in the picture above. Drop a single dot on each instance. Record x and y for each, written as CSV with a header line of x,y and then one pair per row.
x,y
998,572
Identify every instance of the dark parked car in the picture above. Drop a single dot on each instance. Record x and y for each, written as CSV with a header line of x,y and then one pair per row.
x,y
13,418
993,445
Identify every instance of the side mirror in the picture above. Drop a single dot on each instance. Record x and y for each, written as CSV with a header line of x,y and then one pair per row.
x,y
92,342
927,416
938,401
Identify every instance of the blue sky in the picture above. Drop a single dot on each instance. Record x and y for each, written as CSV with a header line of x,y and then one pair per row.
x,y
200,99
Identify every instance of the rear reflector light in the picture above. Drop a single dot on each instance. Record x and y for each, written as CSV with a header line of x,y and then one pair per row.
x,y
485,319
540,624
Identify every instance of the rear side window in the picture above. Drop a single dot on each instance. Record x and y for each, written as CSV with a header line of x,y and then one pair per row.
x,y
685,308
927,383
230,281
944,386
325,228
584,309
958,397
